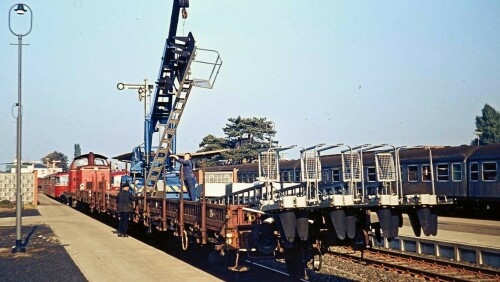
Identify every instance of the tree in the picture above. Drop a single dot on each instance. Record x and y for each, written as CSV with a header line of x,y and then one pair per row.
x,y
60,160
78,150
211,143
244,136
488,126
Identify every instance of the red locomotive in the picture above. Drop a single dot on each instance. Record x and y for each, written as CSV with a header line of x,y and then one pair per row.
x,y
87,173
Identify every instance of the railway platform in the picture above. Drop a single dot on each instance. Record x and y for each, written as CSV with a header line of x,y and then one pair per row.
x,y
103,256
461,239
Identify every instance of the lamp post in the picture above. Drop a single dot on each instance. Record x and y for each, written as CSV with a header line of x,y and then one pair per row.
x,y
20,9
478,134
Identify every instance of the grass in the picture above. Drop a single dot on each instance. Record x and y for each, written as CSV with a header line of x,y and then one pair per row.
x,y
6,204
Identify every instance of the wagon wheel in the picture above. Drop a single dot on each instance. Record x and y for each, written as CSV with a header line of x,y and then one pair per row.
x,y
184,240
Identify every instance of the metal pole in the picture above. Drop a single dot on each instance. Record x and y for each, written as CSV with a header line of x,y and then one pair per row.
x,y
19,247
19,10
203,212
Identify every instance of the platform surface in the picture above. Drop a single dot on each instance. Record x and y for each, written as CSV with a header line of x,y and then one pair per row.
x,y
463,231
103,256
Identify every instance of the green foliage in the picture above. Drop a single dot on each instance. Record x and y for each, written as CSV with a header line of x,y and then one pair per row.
x,y
78,150
244,136
211,143
57,156
6,204
488,126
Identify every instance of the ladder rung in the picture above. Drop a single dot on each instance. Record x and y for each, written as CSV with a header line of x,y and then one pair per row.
x,y
184,39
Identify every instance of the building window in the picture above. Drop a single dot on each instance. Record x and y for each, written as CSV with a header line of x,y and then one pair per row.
x,y
474,172
443,172
456,172
219,177
336,174
371,173
426,173
412,173
489,171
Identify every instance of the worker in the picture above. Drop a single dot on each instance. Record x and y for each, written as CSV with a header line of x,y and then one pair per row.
x,y
188,175
124,201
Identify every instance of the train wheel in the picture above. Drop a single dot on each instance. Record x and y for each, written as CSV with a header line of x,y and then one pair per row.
x,y
317,259
295,263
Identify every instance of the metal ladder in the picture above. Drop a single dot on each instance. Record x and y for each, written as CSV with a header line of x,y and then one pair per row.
x,y
169,131
174,116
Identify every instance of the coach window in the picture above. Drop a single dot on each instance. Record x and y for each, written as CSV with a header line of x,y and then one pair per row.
x,y
443,172
326,175
371,173
412,173
297,175
250,177
336,174
240,178
489,171
456,172
474,172
285,176
426,173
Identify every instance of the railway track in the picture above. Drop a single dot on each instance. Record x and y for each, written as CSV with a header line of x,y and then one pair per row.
x,y
425,268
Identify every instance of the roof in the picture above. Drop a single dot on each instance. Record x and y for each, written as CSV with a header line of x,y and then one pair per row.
x,y
487,152
40,166
443,154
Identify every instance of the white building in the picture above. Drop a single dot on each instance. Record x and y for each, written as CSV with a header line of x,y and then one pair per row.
x,y
30,167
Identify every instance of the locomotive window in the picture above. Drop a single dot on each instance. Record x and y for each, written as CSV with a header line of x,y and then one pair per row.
x,y
443,172
426,173
489,171
99,161
456,172
474,172
371,173
336,174
412,173
81,162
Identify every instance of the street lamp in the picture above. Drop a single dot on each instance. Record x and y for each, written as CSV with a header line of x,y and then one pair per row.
x,y
20,10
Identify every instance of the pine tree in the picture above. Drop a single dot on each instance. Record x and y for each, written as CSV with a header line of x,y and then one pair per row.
x,y
78,150
488,126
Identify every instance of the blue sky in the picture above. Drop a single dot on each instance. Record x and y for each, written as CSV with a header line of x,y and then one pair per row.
x,y
399,72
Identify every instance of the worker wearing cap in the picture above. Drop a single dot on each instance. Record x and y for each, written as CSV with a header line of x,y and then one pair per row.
x,y
124,201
